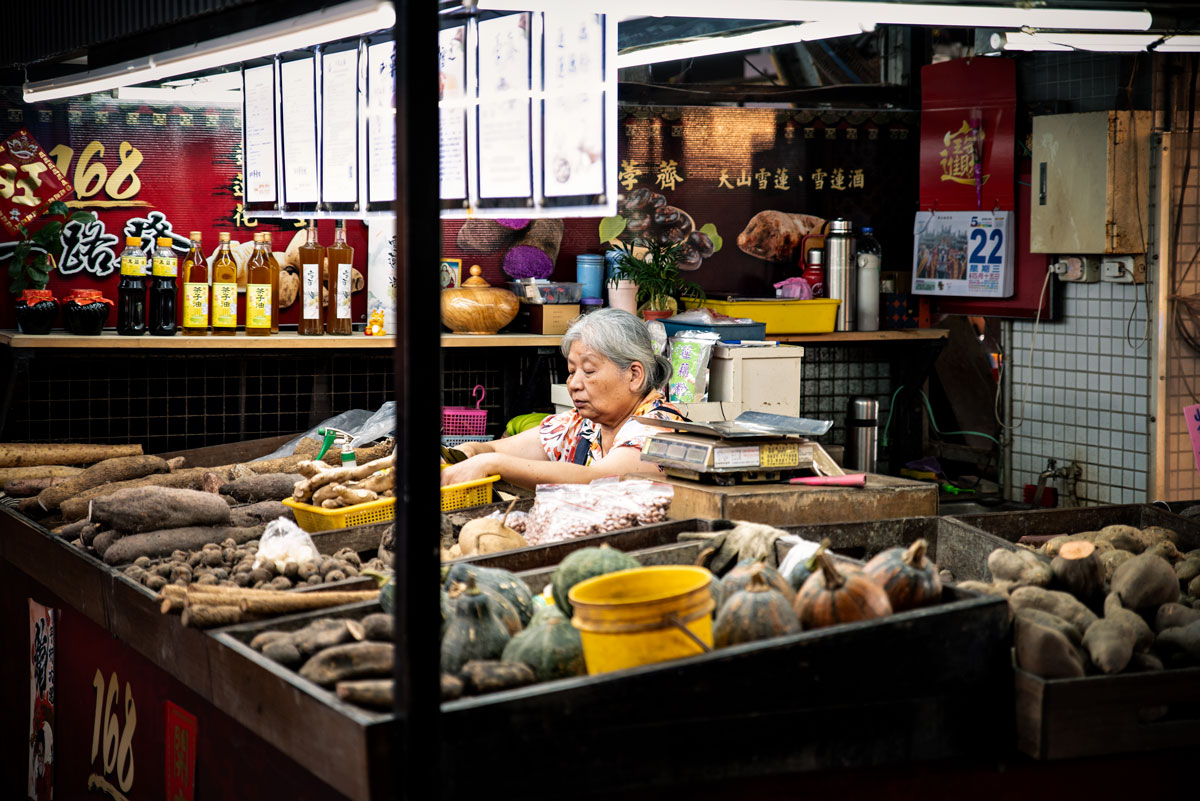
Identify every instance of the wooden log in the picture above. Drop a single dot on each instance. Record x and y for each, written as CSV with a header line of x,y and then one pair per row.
x,y
8,474
26,454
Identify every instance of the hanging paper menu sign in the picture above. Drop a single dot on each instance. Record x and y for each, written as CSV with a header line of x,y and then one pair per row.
x,y
258,111
299,102
452,81
505,138
339,126
573,147
381,122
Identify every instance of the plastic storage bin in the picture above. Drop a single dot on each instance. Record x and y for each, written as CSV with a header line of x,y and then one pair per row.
x,y
468,493
757,379
728,332
781,316
547,292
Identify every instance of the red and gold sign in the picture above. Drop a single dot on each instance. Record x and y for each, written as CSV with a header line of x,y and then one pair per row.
x,y
29,181
181,753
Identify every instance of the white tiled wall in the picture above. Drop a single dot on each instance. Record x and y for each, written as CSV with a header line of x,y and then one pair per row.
x,y
1088,395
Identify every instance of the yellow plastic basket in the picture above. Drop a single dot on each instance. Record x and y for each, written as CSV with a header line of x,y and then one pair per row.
x,y
468,493
315,518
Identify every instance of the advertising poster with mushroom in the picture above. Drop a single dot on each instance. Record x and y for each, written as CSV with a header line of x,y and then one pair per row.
x,y
153,170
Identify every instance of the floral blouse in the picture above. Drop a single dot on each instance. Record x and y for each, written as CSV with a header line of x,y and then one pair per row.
x,y
561,433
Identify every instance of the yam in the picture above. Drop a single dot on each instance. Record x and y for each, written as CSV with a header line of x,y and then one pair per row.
x,y
156,508
1112,560
1135,624
486,236
283,464
1062,604
1021,566
1051,621
1045,651
1173,615
775,235
264,487
321,634
1165,549
36,454
70,530
192,478
452,687
983,588
534,254
1188,569
25,487
1145,581
350,661
1125,538
9,474
1155,534
379,626
1110,644
161,543
103,541
1182,642
480,676
121,468
374,693
1078,570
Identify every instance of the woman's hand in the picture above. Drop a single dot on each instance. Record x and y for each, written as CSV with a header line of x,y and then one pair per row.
x,y
471,469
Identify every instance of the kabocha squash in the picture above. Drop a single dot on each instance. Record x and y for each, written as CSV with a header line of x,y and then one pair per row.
x,y
755,613
551,646
502,609
502,581
717,588
583,564
839,595
738,579
803,569
906,575
474,632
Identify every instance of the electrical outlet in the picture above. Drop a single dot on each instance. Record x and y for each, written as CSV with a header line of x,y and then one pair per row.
x,y
1117,269
1081,269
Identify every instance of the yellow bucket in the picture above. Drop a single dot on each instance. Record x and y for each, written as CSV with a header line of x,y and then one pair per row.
x,y
644,615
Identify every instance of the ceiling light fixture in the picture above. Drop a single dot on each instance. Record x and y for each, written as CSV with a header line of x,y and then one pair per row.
x,y
1094,42
965,16
708,46
181,96
341,21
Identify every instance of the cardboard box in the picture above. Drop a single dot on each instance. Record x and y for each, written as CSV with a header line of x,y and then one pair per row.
x,y
541,318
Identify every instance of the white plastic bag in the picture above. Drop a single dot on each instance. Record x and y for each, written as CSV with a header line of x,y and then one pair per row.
x,y
801,549
284,542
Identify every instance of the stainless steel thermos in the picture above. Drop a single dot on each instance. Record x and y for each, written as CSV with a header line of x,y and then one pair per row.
x,y
840,275
862,434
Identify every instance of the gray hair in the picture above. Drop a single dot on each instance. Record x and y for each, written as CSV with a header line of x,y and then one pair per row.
x,y
623,339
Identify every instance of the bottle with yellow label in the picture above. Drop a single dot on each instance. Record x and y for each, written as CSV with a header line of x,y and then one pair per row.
x,y
164,273
224,289
274,264
340,258
195,289
312,269
259,298
131,291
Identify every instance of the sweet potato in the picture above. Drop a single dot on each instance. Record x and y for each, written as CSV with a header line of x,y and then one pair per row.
x,y
374,693
1155,534
1048,620
156,508
1125,538
162,543
1046,651
485,236
1187,569
775,235
350,661
1135,624
1053,545
1062,604
120,469
481,676
1113,559
1170,616
33,454
1110,645
1021,566
1145,581
1165,549
264,487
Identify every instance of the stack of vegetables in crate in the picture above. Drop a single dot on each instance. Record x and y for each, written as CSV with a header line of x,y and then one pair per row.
x,y
1121,599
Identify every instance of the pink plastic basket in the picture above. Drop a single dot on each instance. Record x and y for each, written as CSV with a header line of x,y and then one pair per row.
x,y
459,421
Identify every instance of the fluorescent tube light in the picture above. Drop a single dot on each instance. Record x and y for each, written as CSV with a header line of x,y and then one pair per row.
x,y
695,48
341,21
1095,42
965,16
149,94
1179,44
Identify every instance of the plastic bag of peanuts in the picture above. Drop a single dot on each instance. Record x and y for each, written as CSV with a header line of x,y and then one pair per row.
x,y
568,511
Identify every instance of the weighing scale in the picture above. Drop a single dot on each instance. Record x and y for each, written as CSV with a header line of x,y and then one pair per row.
x,y
754,447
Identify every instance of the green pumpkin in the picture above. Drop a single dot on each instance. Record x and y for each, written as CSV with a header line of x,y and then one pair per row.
x,y
502,608
804,568
474,632
717,588
755,613
447,611
738,579
583,564
503,581
551,646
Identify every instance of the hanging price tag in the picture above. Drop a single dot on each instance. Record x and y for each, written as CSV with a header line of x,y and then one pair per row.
x,y
29,181
963,253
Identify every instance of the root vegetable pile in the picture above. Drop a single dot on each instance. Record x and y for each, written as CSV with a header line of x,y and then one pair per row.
x,y
335,487
1118,600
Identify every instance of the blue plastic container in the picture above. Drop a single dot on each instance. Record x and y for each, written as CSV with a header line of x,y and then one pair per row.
x,y
729,332
589,271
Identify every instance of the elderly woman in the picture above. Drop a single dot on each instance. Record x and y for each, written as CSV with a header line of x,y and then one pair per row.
x,y
613,375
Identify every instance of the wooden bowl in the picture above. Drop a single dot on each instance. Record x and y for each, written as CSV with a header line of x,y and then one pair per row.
x,y
478,307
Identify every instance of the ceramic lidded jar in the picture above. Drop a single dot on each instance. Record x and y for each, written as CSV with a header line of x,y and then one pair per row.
x,y
477,307
37,310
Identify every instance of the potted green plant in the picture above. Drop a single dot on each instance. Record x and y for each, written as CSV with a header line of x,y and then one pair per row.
x,y
33,259
654,267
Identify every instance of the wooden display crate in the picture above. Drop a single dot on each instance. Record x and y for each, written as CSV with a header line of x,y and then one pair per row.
x,y
1012,526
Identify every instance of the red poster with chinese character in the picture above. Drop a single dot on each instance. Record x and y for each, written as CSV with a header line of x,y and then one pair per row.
x,y
181,753
41,702
29,181
968,114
